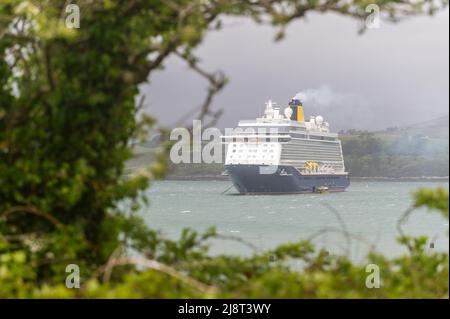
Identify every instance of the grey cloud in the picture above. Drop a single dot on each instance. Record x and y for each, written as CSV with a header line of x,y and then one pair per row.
x,y
392,76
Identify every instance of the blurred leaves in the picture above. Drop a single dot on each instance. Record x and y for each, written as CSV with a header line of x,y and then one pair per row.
x,y
433,199
68,117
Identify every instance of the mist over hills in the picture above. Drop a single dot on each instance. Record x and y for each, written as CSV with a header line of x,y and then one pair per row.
x,y
416,150
438,127
435,127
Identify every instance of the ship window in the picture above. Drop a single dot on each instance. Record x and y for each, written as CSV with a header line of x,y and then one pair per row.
x,y
323,138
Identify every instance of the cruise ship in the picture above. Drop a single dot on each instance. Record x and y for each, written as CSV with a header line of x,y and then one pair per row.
x,y
281,152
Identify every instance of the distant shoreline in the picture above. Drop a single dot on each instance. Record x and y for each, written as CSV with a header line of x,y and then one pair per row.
x,y
357,179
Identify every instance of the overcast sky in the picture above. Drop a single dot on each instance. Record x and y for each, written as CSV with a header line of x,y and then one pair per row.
x,y
392,76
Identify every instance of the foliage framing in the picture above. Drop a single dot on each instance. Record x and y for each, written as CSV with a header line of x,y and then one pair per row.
x,y
68,114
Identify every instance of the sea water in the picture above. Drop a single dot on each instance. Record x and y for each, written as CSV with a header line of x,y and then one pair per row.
x,y
368,212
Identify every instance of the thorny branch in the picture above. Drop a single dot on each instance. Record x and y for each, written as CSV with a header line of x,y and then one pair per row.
x,y
345,232
338,230
155,265
237,239
400,222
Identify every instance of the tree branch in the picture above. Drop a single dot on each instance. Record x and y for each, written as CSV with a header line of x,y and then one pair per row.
x,y
31,210
154,265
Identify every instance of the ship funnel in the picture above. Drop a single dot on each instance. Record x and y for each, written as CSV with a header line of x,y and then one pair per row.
x,y
297,110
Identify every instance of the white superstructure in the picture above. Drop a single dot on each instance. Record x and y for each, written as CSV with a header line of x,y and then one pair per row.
x,y
277,139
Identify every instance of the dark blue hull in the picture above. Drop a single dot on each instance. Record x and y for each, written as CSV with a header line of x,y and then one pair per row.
x,y
257,179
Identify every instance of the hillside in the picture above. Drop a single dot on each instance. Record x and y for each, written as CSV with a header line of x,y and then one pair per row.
x,y
415,150
419,150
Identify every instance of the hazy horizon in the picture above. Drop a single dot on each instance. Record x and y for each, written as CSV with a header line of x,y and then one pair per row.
x,y
393,76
